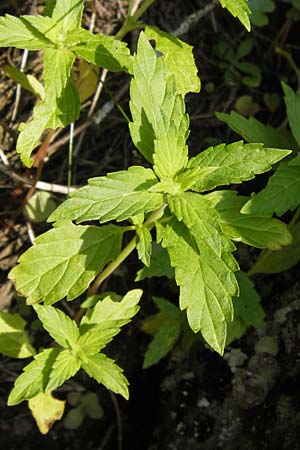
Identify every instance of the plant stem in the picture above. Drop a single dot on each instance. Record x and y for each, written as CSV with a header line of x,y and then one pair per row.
x,y
127,26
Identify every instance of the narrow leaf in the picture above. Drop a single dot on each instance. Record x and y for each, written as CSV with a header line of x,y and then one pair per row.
x,y
58,64
239,9
143,244
234,163
28,82
67,14
106,372
281,194
13,338
65,366
292,101
64,261
63,329
119,196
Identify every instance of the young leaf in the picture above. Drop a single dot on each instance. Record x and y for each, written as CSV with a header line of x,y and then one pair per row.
x,y
35,377
234,163
206,290
166,333
160,265
67,14
119,196
281,194
143,244
178,57
101,50
256,230
64,261
156,107
63,329
105,371
239,9
292,101
25,32
13,338
65,366
254,131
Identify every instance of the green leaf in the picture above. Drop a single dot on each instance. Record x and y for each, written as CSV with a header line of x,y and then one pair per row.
x,y
40,206
292,101
35,377
206,290
143,244
281,194
119,196
167,333
259,8
234,163
178,57
67,14
13,338
254,131
239,9
28,82
101,50
282,259
25,32
50,4
63,329
157,111
160,265
64,261
255,230
58,64
65,366
105,371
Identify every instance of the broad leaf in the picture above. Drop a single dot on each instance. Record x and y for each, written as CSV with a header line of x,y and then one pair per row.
x,y
254,131
292,101
157,108
282,259
64,261
35,377
160,265
46,410
61,327
119,196
281,194
166,333
256,230
58,64
206,282
104,51
239,9
178,57
105,371
13,338
25,32
234,163
67,14
143,244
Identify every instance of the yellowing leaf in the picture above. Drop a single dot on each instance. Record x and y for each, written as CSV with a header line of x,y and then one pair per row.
x,y
87,80
46,410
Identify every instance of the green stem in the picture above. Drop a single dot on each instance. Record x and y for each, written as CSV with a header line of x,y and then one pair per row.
x,y
150,222
127,26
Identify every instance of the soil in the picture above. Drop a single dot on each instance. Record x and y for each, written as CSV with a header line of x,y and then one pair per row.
x,y
195,399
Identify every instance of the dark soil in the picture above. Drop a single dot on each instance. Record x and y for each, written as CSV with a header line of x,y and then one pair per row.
x,y
193,400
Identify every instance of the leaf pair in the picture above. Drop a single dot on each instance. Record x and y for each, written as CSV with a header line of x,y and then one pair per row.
x,y
80,348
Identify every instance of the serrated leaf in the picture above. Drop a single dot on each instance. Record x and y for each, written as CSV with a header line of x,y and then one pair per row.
x,y
179,59
282,259
25,32
58,64
143,244
105,371
255,230
160,265
206,290
35,377
101,50
67,14
239,9
292,101
28,82
165,335
254,131
46,410
65,366
157,108
234,163
40,206
281,194
64,261
119,196
13,337
61,327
